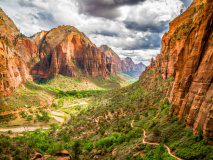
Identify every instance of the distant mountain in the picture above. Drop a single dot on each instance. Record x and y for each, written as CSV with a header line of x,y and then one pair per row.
x,y
116,65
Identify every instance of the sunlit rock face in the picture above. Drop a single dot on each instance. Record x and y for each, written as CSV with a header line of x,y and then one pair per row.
x,y
65,50
114,62
187,55
15,53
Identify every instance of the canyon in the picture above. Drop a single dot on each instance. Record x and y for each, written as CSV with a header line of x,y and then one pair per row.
x,y
63,50
186,55
61,97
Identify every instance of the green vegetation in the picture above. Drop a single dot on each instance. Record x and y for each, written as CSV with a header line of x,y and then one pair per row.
x,y
80,94
61,86
201,7
34,60
113,122
31,96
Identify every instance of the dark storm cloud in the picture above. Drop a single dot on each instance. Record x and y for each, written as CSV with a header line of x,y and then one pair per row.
x,y
104,8
47,18
151,27
106,33
146,42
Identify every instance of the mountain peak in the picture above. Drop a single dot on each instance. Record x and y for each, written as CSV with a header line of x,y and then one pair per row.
x,y
7,25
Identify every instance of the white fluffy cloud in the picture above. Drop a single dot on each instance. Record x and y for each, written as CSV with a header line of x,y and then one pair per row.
x,y
132,28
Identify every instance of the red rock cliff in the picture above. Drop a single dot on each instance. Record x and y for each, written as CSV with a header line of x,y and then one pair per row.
x,y
65,50
15,52
114,63
187,54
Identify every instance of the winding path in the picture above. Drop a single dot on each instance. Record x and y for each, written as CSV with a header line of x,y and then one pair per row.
x,y
144,142
22,129
169,150
77,104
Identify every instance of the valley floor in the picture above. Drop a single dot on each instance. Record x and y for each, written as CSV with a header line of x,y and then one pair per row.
x,y
129,123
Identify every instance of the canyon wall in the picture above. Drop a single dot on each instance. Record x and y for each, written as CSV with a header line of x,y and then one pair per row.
x,y
187,55
15,52
65,50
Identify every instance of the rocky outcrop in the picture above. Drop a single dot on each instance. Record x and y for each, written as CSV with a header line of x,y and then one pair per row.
x,y
116,65
62,50
7,26
14,52
65,50
187,55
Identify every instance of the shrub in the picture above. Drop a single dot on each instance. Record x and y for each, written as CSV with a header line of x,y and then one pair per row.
x,y
61,102
137,117
6,158
165,138
189,133
57,147
88,146
66,137
9,132
156,131
173,119
121,138
77,150
29,118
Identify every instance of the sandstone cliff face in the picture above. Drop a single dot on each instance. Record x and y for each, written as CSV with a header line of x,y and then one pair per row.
x,y
15,51
65,50
114,63
187,54
6,25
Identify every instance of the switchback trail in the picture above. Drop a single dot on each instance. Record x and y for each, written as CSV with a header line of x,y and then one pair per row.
x,y
169,150
144,142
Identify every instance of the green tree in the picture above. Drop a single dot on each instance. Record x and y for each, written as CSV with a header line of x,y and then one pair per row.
x,y
77,149
159,151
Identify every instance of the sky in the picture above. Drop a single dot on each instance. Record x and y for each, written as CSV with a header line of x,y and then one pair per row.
x,y
132,28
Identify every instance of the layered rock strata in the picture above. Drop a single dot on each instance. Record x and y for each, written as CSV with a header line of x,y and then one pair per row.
x,y
187,55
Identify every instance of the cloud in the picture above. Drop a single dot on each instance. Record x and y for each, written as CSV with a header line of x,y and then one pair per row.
x,y
150,27
131,27
153,16
104,8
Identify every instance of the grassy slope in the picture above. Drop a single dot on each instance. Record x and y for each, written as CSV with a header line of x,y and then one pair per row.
x,y
127,77
34,95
